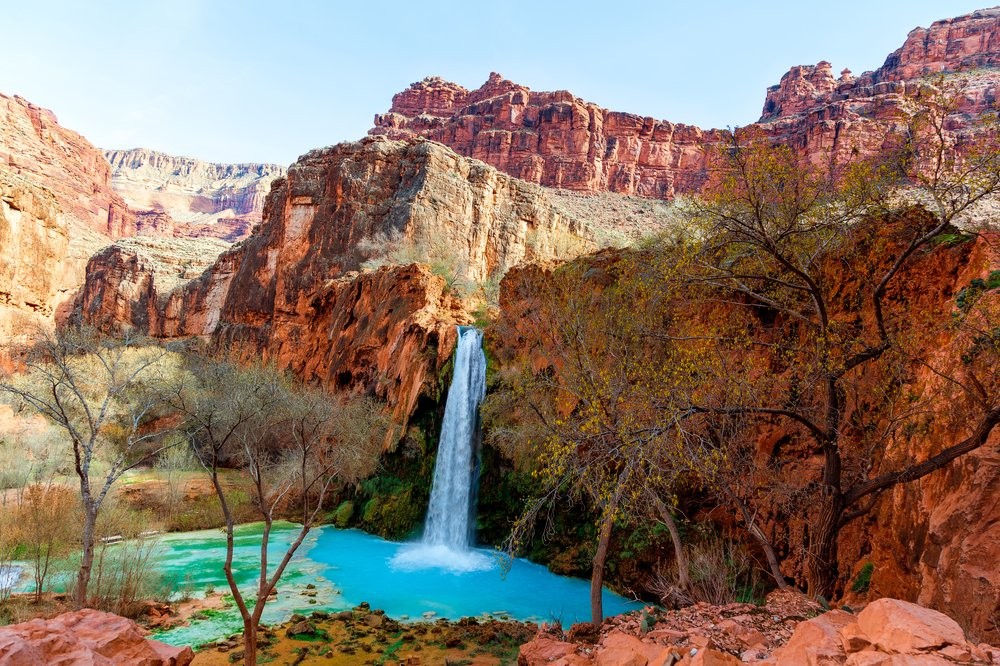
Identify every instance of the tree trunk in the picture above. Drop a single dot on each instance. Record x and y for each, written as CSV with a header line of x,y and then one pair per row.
x,y
683,581
765,543
597,574
249,642
87,562
822,568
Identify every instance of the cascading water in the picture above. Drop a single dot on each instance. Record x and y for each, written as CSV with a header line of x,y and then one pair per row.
x,y
450,516
449,530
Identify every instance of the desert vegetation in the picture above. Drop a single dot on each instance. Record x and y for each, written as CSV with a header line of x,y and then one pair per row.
x,y
778,306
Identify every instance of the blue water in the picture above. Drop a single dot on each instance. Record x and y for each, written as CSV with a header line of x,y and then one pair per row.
x,y
362,567
349,566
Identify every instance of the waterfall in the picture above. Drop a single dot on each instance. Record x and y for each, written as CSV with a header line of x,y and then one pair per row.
x,y
451,515
449,529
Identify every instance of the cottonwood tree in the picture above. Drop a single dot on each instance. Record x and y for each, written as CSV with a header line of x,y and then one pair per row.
x,y
289,442
798,247
103,393
598,420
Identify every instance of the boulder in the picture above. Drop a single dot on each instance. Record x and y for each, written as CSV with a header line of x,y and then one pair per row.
x,y
543,650
816,642
899,627
86,637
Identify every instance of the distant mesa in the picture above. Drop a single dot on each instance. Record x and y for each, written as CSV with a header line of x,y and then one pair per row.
x,y
185,197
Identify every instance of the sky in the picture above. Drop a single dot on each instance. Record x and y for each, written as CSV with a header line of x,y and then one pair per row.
x,y
255,81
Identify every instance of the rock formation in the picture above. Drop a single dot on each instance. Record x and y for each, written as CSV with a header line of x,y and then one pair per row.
x,y
58,208
554,139
35,146
887,631
33,242
86,637
560,140
290,291
184,197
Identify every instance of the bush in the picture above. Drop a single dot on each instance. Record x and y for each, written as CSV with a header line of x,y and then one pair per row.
x,y
720,571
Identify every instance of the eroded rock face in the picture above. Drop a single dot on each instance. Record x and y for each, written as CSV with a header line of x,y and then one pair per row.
x,y
560,140
551,138
34,145
291,291
86,637
33,243
184,197
57,209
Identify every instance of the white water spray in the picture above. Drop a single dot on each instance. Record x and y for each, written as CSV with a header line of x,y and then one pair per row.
x,y
449,530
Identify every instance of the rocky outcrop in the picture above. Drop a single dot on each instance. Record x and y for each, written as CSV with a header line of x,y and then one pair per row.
x,y
86,637
184,197
33,243
552,138
57,209
560,140
887,631
34,145
292,292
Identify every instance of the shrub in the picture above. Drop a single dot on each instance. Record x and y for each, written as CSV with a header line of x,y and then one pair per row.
x,y
863,580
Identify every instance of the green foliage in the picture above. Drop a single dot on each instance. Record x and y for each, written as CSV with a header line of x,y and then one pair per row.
x,y
969,294
341,517
862,582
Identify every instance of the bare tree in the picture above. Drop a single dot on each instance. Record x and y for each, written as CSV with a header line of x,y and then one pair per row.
x,y
290,442
103,392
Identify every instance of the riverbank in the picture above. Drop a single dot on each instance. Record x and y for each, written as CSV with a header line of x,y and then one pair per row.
x,y
365,636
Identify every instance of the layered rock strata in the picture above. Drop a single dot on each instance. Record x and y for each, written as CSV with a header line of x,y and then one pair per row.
x,y
184,197
57,209
560,140
291,291
34,145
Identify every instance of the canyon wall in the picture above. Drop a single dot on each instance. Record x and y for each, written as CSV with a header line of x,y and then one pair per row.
x,y
559,140
292,292
934,541
34,145
185,197
57,208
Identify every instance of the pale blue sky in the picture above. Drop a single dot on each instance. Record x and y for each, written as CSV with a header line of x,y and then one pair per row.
x,y
266,81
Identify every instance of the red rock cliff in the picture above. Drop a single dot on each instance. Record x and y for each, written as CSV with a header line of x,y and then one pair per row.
x,y
34,145
290,291
560,140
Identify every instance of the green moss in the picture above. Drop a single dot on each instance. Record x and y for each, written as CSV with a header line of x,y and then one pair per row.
x,y
343,514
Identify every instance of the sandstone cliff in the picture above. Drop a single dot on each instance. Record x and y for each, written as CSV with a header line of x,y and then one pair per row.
x,y
34,145
934,541
184,197
58,208
291,291
560,140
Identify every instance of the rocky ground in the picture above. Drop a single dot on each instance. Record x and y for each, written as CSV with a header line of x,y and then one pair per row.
x,y
787,630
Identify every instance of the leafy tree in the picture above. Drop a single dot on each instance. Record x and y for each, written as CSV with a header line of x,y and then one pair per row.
x,y
598,418
785,236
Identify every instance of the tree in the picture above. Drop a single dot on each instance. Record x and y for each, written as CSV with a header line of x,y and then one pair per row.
x,y
598,418
104,393
291,442
785,237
